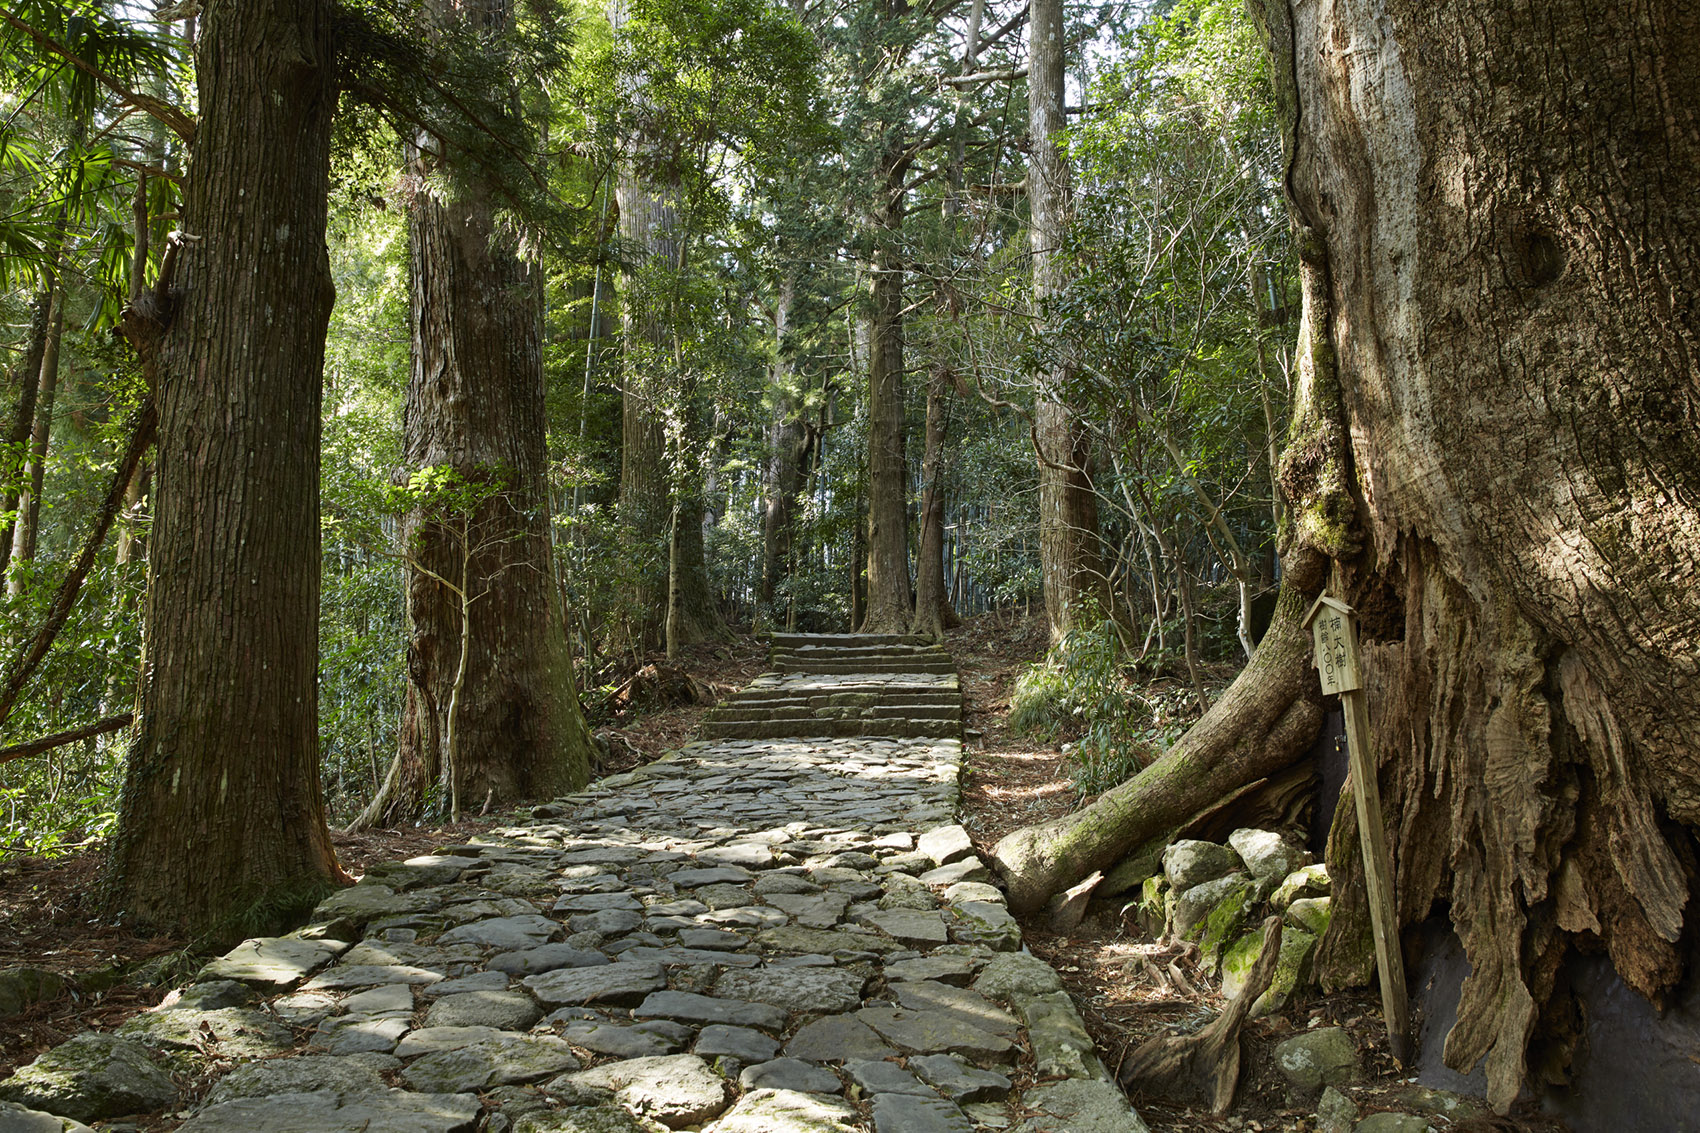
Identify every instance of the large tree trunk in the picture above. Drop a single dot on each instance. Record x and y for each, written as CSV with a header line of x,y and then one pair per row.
x,y
1499,226
1069,554
491,675
890,599
221,826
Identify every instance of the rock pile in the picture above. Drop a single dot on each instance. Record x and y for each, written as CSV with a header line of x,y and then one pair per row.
x,y
1217,895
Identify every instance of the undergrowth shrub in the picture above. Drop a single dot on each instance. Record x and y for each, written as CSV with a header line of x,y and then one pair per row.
x,y
1081,690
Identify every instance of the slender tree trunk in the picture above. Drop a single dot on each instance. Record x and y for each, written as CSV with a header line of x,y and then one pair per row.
x,y
221,825
1069,554
648,224
13,459
790,447
28,530
890,601
1499,260
933,611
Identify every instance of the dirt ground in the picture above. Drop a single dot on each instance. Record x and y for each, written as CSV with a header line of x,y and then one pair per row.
x,y
48,915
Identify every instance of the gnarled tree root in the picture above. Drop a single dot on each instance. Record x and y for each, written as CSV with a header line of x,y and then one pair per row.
x,y
1264,723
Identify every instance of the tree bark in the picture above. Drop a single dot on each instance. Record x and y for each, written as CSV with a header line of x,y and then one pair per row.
x,y
1500,260
1069,554
890,601
221,827
489,670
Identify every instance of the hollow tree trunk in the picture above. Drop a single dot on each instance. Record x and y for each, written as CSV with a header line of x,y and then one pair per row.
x,y
1069,554
1502,261
221,825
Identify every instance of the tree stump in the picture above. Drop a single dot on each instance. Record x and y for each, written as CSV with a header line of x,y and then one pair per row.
x,y
1207,1062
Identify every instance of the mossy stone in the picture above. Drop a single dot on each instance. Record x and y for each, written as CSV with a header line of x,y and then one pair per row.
x,y
1292,969
1311,914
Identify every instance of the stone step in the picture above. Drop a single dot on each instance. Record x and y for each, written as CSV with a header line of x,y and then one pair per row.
x,y
837,729
896,664
855,697
840,712
859,650
794,640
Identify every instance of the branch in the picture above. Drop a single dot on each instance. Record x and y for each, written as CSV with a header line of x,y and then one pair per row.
x,y
29,655
181,124
60,739
984,77
159,171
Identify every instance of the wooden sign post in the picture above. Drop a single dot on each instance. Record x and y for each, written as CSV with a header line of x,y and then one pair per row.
x,y
1334,633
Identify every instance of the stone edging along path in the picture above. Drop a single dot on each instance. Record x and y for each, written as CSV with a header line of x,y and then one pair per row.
x,y
781,934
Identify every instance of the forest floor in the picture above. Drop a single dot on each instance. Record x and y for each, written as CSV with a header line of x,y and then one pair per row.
x,y
49,916
1014,781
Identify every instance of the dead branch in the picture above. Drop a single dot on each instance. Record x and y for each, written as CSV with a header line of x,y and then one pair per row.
x,y
71,736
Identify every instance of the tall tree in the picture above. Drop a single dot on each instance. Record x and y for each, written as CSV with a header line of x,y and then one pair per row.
x,y
891,600
1500,271
27,531
1068,510
791,443
693,84
221,824
491,710
933,611
891,597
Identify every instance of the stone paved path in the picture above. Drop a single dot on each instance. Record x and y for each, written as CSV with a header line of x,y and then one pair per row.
x,y
778,934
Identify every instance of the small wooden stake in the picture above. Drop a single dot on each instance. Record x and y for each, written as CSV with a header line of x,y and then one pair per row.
x,y
1335,635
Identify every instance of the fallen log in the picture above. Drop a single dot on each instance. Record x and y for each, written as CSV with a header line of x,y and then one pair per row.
x,y
1263,724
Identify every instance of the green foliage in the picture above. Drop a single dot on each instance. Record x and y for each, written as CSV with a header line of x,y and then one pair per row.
x,y
1081,689
61,801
